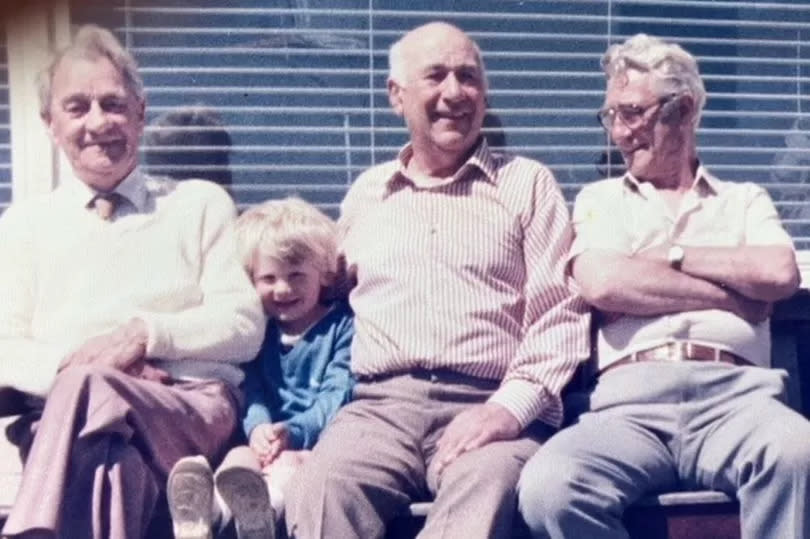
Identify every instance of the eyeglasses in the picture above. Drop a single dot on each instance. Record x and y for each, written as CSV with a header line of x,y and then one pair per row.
x,y
631,115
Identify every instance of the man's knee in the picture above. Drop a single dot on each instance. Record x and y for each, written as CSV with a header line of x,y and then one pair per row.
x,y
494,466
94,393
546,487
790,455
76,378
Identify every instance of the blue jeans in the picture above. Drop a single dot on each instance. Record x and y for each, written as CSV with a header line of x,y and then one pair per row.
x,y
658,426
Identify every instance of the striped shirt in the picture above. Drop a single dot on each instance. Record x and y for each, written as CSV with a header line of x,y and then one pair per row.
x,y
467,274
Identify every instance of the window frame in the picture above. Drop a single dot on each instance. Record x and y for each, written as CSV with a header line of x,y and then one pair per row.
x,y
33,34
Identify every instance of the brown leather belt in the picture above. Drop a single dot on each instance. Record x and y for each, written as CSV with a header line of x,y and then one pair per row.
x,y
680,351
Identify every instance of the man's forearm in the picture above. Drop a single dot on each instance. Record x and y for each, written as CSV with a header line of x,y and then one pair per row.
x,y
641,286
765,273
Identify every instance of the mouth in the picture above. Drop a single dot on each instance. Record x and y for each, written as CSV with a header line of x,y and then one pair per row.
x,y
286,304
452,116
113,148
628,152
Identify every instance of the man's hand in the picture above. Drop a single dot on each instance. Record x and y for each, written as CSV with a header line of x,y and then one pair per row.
x,y
143,370
268,440
750,310
474,428
119,349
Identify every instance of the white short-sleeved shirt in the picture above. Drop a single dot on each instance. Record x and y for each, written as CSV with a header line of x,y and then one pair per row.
x,y
629,216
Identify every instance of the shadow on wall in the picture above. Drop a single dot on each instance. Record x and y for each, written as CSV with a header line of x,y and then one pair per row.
x,y
610,164
189,142
493,131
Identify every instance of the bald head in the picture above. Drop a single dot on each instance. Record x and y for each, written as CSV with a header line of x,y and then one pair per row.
x,y
438,86
431,35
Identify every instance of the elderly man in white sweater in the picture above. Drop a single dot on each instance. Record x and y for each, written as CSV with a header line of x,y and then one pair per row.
x,y
123,307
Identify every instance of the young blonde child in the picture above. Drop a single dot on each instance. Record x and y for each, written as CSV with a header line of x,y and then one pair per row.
x,y
294,386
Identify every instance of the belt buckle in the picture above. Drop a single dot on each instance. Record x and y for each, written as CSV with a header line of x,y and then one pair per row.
x,y
675,351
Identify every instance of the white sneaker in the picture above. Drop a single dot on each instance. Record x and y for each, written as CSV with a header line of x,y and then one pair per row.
x,y
190,491
245,493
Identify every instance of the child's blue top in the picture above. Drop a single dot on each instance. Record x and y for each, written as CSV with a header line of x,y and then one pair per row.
x,y
305,385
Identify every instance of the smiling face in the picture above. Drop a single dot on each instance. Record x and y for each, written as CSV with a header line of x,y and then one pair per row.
x,y
443,94
96,120
657,148
290,293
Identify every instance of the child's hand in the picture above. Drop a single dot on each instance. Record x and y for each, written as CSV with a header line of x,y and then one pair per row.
x,y
268,440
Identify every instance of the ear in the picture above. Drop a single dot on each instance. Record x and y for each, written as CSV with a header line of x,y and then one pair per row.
x,y
140,112
395,96
47,120
679,111
328,291
328,278
687,108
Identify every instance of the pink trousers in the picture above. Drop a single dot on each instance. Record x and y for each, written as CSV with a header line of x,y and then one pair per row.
x,y
103,447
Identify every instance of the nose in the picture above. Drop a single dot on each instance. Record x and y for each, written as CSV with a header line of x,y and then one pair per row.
x,y
451,87
96,117
619,130
282,288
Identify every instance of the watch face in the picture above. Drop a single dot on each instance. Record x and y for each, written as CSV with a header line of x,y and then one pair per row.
x,y
675,256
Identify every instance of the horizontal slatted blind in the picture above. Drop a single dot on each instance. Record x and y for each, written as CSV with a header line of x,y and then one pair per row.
x,y
5,136
291,94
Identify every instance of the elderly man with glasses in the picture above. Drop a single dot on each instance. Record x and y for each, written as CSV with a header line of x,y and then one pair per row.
x,y
683,269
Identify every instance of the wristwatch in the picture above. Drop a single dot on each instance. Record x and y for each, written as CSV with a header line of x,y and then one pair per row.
x,y
675,257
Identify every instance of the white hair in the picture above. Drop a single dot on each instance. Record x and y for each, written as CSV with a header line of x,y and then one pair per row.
x,y
674,70
90,43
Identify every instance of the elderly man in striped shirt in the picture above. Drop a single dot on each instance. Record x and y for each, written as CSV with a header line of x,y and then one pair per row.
x,y
466,331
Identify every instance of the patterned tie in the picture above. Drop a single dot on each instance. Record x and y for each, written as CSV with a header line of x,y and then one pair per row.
x,y
105,204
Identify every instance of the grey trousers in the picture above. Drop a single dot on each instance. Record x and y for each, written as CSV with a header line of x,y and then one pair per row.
x,y
375,458
103,448
654,426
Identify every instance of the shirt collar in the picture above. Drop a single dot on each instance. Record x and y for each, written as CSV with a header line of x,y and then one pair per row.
x,y
704,183
481,159
133,188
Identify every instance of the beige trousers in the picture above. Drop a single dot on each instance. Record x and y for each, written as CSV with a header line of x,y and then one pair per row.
x,y
375,459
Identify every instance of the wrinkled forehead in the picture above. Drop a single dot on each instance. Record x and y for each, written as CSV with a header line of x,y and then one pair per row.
x,y
449,50
630,87
77,71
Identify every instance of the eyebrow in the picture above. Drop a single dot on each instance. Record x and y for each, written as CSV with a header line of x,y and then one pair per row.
x,y
445,67
73,97
85,97
436,67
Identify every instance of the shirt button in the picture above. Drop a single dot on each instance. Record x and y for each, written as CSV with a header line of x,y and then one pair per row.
x,y
434,378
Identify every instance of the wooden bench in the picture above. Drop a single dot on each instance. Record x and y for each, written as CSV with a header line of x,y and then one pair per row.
x,y
673,515
692,515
